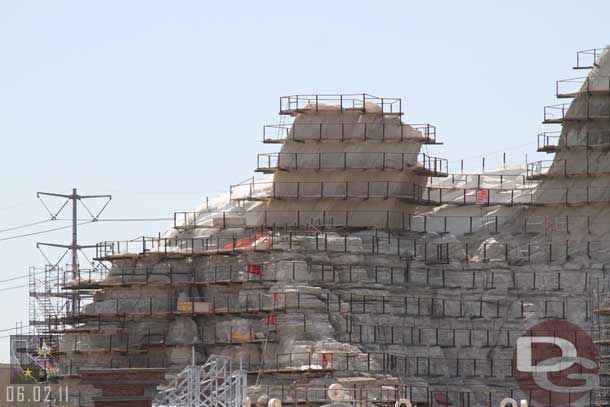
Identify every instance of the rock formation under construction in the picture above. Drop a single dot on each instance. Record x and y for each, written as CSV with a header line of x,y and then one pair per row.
x,y
358,258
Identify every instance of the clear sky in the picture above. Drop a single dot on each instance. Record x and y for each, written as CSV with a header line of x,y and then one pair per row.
x,y
161,103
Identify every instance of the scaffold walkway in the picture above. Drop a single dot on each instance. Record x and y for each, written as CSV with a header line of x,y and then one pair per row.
x,y
357,102
345,132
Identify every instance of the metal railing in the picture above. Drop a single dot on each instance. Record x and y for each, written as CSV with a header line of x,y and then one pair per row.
x,y
405,366
364,274
431,166
411,192
72,367
421,306
362,102
351,303
589,110
167,306
446,337
269,162
478,181
548,141
570,88
587,59
539,169
214,274
415,249
551,141
331,219
484,279
388,394
141,343
565,168
555,113
302,132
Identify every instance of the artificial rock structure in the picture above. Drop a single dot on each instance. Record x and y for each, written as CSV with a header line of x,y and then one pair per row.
x,y
361,260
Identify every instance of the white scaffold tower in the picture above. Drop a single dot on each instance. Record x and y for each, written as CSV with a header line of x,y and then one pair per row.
x,y
214,384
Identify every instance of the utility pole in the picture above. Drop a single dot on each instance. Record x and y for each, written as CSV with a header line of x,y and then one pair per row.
x,y
74,247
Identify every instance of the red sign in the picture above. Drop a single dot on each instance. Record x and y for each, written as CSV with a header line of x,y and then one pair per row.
x,y
482,197
255,269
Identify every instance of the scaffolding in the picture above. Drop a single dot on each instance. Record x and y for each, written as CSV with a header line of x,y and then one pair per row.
x,y
360,102
551,142
601,338
213,384
588,58
588,85
341,132
273,162
46,297
232,253
593,112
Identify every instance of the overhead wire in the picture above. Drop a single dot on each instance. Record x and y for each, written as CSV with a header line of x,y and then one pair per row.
x,y
41,232
14,287
27,225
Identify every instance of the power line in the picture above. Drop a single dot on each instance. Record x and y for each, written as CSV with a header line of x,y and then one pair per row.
x,y
12,329
13,279
14,287
135,220
15,205
27,225
127,219
41,232
22,277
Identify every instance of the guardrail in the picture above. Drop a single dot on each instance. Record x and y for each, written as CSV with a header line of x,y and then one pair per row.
x,y
302,132
445,337
64,277
361,274
417,194
213,274
539,169
481,181
555,113
269,162
297,219
362,102
550,141
347,362
484,279
351,303
156,306
422,163
588,58
388,394
72,367
432,166
566,168
589,110
414,249
589,85
405,366
422,306
384,393
141,343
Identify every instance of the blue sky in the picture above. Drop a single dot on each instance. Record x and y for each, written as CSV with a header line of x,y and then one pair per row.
x,y
162,103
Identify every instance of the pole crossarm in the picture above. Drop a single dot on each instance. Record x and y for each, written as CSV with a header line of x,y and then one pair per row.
x,y
74,247
66,246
